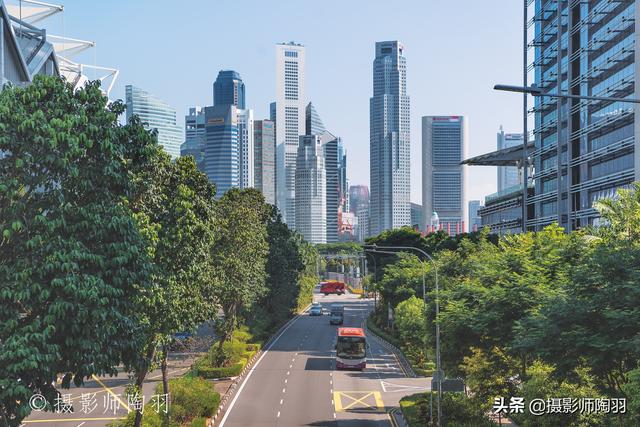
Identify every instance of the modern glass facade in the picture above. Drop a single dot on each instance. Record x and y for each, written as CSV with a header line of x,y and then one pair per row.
x,y
229,89
416,215
507,175
311,181
155,114
222,151
475,222
195,136
444,146
335,159
502,211
389,134
584,150
265,159
359,204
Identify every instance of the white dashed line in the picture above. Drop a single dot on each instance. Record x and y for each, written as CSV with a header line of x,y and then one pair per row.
x,y
285,381
283,390
278,414
288,372
334,415
281,400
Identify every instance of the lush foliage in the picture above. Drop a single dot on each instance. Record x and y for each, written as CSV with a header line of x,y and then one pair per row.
x,y
192,400
539,315
108,248
72,258
457,409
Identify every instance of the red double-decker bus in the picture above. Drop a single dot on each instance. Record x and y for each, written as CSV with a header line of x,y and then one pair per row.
x,y
351,349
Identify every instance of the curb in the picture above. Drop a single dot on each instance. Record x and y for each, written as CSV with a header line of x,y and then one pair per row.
x,y
402,360
397,412
237,380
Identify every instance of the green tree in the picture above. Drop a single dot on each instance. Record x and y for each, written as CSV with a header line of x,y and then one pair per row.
x,y
542,384
179,202
622,213
411,324
489,374
631,389
239,256
72,259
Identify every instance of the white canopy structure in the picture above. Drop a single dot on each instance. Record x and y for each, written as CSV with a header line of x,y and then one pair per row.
x,y
25,13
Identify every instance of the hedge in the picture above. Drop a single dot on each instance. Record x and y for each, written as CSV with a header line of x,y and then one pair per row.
x,y
203,370
192,398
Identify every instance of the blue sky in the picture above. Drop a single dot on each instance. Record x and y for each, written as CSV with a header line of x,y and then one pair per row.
x,y
456,52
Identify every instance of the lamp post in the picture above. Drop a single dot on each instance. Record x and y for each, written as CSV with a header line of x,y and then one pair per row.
x,y
374,248
375,270
536,91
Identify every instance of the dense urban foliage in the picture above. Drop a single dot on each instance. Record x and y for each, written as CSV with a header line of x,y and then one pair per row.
x,y
545,314
108,248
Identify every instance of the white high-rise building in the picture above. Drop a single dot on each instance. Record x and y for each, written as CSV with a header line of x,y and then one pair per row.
x,y
290,124
246,147
311,197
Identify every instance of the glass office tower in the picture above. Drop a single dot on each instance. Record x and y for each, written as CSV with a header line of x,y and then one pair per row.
x,y
229,89
155,114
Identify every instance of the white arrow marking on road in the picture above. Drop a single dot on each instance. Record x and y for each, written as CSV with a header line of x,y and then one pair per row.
x,y
393,388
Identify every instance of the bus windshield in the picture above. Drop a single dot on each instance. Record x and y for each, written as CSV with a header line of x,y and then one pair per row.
x,y
351,347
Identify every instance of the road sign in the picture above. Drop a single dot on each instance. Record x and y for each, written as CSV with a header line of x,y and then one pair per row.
x,y
438,376
449,384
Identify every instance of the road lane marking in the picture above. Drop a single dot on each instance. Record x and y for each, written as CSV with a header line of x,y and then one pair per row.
x,y
278,414
281,400
285,381
96,379
283,390
244,382
368,399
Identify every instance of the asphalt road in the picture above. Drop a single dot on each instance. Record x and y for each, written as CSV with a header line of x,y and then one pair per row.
x,y
295,383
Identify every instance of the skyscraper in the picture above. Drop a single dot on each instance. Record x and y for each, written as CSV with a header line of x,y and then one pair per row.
x,y
222,151
195,136
155,114
290,123
475,221
310,180
507,175
246,147
416,215
333,153
265,159
229,89
584,149
389,140
313,122
359,204
444,146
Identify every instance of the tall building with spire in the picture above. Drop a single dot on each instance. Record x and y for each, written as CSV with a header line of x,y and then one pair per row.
x,y
313,122
289,115
389,140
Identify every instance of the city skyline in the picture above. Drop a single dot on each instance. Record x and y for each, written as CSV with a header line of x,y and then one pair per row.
x,y
342,102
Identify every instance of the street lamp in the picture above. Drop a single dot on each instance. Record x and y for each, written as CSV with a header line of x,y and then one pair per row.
x,y
536,91
439,373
